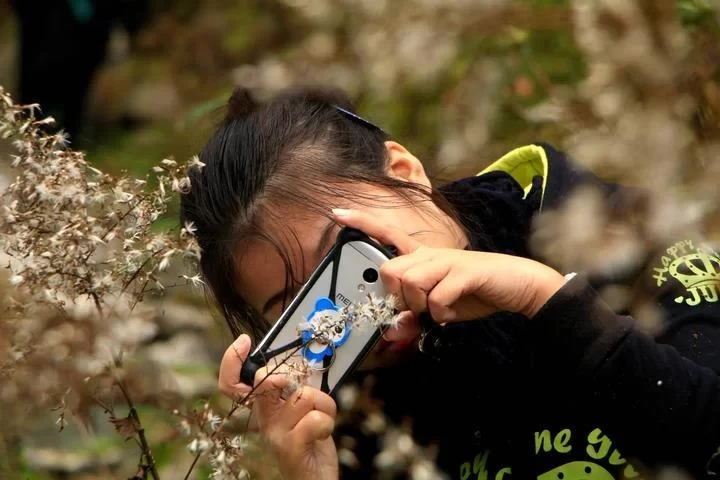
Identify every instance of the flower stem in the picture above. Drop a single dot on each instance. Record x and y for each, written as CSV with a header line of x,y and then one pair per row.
x,y
144,446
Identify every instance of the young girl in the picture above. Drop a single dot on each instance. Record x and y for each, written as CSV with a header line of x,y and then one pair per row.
x,y
527,374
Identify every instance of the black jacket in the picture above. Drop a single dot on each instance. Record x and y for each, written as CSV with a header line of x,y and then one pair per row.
x,y
577,392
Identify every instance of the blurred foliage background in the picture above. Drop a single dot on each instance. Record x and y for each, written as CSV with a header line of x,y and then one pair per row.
x,y
158,91
155,94
460,82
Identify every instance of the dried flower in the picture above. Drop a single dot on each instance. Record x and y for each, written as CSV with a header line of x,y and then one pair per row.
x,y
71,235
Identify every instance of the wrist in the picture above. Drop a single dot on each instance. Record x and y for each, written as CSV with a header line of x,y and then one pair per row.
x,y
545,286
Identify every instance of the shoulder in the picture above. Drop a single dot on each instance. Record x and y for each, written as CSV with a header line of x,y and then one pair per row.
x,y
677,277
556,171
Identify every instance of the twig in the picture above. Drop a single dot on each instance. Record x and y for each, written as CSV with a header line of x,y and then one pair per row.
x,y
192,466
138,296
144,446
240,402
136,273
97,303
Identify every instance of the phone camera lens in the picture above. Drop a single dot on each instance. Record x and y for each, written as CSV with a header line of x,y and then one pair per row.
x,y
370,275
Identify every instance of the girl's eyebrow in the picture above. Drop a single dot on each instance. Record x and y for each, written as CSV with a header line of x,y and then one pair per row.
x,y
320,250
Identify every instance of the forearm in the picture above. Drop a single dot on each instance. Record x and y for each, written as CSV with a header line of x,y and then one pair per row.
x,y
660,406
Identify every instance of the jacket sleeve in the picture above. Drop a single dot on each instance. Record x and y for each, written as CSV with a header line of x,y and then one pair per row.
x,y
659,406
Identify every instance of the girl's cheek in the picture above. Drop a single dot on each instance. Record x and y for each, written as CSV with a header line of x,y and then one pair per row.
x,y
272,317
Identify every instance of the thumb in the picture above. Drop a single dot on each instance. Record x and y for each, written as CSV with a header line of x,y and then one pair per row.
x,y
231,365
241,345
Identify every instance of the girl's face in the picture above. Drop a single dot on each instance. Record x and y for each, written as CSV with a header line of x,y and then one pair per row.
x,y
261,270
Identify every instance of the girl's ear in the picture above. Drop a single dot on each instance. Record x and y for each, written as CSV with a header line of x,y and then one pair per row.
x,y
403,165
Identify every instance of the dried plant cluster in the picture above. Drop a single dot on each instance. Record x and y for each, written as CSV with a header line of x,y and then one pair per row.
x,y
374,313
231,454
82,255
399,452
79,244
228,452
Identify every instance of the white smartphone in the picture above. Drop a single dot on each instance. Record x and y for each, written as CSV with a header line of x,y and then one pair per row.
x,y
347,274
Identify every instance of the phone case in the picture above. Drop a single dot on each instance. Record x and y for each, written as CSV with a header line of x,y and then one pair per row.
x,y
336,282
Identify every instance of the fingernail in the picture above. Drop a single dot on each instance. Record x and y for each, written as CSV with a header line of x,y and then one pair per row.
x,y
242,343
388,335
403,318
401,321
242,340
341,212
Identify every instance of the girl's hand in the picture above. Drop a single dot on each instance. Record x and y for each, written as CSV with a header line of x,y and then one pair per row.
x,y
453,284
298,429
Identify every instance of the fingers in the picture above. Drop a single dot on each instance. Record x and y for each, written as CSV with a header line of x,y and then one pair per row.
x,y
252,424
267,400
316,425
371,226
406,329
412,277
417,283
233,358
431,280
302,402
442,300
292,424
273,411
453,299
391,271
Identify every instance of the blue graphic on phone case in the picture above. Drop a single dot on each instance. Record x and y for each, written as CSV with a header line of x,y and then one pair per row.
x,y
316,351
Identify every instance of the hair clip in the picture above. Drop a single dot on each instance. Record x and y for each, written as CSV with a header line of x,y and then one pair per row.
x,y
359,119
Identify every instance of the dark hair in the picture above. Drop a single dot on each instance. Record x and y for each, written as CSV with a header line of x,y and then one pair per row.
x,y
295,149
